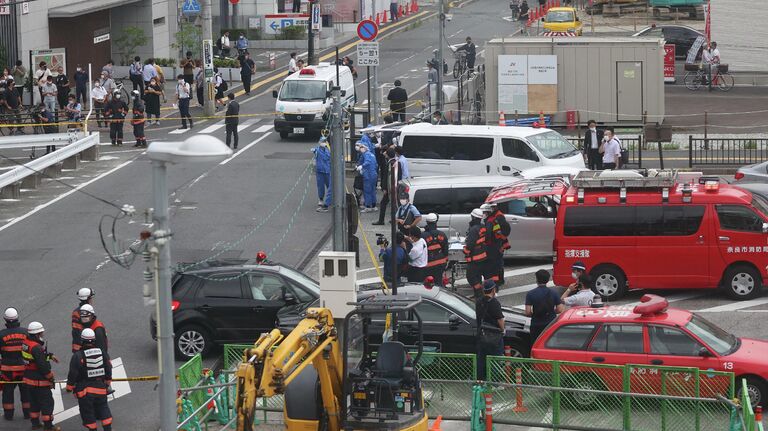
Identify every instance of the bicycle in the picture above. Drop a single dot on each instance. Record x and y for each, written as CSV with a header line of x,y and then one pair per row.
x,y
696,76
460,65
120,86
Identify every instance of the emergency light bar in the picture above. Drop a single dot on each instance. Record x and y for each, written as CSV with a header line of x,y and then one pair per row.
x,y
651,305
307,71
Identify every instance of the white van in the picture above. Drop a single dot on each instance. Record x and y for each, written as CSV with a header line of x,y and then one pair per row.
x,y
304,99
483,150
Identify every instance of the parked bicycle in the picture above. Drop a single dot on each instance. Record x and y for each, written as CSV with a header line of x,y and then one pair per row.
x,y
120,86
460,63
696,77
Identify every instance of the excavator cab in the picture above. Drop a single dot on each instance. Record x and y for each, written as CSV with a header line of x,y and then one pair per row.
x,y
382,389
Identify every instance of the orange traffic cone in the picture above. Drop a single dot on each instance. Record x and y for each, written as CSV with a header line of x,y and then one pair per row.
x,y
502,120
436,424
415,6
378,19
384,20
400,11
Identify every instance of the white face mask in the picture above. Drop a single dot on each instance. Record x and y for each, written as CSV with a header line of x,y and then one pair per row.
x,y
117,96
575,276
403,201
181,82
97,84
593,128
79,69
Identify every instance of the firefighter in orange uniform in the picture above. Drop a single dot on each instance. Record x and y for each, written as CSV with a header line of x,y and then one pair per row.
x,y
38,377
88,320
475,252
12,363
85,295
90,374
437,249
497,230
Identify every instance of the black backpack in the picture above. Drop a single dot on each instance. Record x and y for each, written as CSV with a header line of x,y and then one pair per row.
x,y
223,85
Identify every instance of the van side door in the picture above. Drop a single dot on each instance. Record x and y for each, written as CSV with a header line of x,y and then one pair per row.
x,y
472,155
427,155
516,155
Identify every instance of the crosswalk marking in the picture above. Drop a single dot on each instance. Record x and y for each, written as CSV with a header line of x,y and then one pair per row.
x,y
121,389
263,129
178,131
214,127
735,306
245,125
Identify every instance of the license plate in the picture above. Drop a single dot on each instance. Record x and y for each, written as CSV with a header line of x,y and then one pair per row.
x,y
298,130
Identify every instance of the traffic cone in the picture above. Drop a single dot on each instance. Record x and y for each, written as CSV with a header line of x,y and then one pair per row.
x,y
502,121
400,11
384,20
378,19
436,424
542,121
415,6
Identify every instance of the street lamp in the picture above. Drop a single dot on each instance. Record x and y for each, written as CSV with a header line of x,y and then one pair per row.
x,y
200,148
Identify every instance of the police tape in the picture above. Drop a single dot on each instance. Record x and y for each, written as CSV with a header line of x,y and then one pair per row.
x,y
119,379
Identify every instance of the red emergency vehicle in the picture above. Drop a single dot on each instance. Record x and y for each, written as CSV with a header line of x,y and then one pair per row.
x,y
651,334
655,230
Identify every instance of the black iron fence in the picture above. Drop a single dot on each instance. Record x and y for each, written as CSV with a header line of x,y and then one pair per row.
x,y
633,144
726,151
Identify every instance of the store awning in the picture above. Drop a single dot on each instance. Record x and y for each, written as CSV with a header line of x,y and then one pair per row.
x,y
76,9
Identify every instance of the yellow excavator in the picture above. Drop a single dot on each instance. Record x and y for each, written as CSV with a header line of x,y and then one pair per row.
x,y
363,386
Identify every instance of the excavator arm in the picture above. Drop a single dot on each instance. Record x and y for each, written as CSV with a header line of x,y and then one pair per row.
x,y
275,360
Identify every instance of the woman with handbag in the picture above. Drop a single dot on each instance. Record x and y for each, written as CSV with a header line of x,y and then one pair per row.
x,y
490,327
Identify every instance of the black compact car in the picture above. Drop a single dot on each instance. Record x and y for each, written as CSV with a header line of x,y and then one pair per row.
x,y
449,323
681,36
232,302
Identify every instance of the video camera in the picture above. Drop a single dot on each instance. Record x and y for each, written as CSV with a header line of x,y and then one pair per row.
x,y
382,240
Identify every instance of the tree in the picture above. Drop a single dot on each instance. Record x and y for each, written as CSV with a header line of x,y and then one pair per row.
x,y
131,38
189,38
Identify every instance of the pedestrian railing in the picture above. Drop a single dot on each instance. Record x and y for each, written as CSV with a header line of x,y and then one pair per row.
x,y
726,151
633,144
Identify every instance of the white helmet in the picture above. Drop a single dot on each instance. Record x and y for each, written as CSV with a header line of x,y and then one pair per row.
x,y
88,334
431,218
487,207
35,328
11,314
85,294
87,308
477,213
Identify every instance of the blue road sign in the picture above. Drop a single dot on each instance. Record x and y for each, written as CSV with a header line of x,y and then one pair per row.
x,y
190,7
367,30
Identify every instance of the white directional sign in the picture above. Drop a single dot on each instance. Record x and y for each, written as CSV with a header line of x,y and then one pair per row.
x,y
368,53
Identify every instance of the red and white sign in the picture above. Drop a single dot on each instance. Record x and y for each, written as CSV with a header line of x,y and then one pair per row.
x,y
4,8
367,30
669,63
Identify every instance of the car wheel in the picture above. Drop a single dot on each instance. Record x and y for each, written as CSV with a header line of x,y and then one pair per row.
x,y
609,282
516,350
582,400
756,391
191,340
283,135
742,282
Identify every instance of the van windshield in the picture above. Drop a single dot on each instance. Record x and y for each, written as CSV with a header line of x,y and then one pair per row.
x,y
552,145
302,91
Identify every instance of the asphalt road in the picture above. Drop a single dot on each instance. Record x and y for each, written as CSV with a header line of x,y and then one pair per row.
x,y
51,245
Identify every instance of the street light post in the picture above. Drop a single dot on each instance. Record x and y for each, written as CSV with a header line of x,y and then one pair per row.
x,y
200,148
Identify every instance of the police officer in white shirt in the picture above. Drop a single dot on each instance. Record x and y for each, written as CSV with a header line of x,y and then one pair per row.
x,y
611,151
583,295
417,256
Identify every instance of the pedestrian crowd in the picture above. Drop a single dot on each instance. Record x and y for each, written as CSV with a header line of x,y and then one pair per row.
x,y
25,366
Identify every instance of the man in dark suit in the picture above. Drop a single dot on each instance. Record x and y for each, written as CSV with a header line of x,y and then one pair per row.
x,y
592,140
232,118
397,98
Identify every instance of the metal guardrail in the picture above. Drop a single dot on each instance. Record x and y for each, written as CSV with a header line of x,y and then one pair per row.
x,y
39,140
633,144
726,151
35,166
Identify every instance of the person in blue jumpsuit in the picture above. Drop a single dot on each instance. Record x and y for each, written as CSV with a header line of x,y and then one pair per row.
x,y
323,171
368,169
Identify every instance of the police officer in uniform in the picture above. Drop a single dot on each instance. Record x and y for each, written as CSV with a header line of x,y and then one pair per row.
x,y
88,320
475,251
437,249
85,295
116,111
12,363
496,232
38,377
90,374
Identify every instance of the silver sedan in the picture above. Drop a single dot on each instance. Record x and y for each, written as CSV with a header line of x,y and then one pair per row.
x,y
757,173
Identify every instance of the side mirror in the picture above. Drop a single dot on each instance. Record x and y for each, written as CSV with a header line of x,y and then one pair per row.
x,y
289,298
274,94
454,321
765,227
705,353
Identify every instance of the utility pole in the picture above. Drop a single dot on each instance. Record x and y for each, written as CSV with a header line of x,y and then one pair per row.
x,y
310,34
337,168
440,69
210,104
165,315
376,111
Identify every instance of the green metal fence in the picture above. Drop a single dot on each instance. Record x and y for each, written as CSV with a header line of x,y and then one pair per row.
x,y
233,354
447,379
574,395
190,375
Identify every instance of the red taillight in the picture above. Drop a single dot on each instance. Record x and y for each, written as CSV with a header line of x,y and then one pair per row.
x,y
175,305
307,71
739,175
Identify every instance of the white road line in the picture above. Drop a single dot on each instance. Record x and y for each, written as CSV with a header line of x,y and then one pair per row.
x,y
213,127
64,195
514,290
245,125
735,306
526,270
224,162
178,131
121,389
262,129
